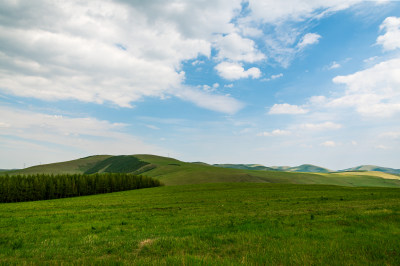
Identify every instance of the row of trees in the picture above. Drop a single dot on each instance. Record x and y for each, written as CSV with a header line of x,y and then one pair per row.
x,y
18,188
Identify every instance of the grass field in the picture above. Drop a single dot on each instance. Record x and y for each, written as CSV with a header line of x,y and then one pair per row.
x,y
218,224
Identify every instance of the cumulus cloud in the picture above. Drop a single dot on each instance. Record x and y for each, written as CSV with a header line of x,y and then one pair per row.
x,y
391,39
276,132
108,51
374,91
121,51
286,108
236,48
308,39
234,71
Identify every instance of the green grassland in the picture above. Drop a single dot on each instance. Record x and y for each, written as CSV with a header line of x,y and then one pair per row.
x,y
214,224
174,172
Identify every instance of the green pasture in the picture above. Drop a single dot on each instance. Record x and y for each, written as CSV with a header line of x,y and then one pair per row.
x,y
208,224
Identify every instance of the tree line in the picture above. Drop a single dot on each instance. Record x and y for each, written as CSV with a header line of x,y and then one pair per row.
x,y
17,188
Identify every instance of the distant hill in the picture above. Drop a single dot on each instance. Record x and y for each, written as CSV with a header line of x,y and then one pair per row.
x,y
246,166
174,172
306,168
372,168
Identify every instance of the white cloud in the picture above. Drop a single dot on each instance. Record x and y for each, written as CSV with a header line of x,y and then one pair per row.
x,y
106,51
318,100
382,147
219,103
277,76
321,126
65,135
234,71
153,127
283,44
4,124
212,88
370,59
334,65
373,92
286,108
329,143
391,135
278,11
272,77
308,39
276,132
391,39
236,48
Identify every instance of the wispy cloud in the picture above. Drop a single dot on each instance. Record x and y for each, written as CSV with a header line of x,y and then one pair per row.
x,y
272,77
79,135
334,65
276,132
329,143
286,108
320,126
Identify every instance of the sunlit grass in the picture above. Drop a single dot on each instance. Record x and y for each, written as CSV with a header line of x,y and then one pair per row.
x,y
212,224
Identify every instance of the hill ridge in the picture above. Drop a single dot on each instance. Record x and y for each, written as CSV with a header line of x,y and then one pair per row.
x,y
175,172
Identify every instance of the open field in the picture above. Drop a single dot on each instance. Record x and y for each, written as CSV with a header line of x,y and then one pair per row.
x,y
211,223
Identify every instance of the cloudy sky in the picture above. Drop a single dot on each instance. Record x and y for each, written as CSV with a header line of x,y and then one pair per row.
x,y
222,81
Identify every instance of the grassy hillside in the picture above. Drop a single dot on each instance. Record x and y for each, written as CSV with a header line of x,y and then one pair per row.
x,y
301,168
174,172
78,166
309,168
373,173
213,224
374,168
245,166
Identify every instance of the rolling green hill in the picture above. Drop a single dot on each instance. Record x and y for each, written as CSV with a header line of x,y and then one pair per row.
x,y
78,166
246,166
307,168
373,168
174,172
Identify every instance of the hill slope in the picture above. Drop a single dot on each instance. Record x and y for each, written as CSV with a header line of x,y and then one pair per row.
x,y
307,168
245,166
174,172
373,168
78,166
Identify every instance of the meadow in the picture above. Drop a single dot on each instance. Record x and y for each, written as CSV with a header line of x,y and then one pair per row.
x,y
210,224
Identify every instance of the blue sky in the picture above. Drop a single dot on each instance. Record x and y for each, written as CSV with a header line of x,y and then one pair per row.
x,y
268,82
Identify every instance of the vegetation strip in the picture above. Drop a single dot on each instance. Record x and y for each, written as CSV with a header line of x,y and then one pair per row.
x,y
211,224
19,188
